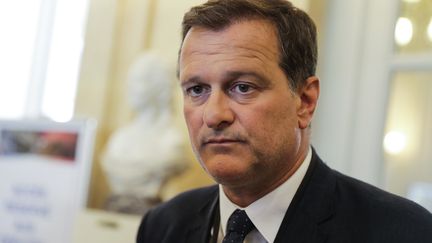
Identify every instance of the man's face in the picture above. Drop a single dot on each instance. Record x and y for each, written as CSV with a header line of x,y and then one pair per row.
x,y
244,121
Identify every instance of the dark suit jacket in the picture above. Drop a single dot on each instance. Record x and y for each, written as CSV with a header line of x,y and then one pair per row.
x,y
328,207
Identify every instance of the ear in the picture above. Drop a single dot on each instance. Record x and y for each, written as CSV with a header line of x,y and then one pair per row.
x,y
308,94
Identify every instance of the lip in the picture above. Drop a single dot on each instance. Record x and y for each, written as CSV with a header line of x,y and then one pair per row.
x,y
221,141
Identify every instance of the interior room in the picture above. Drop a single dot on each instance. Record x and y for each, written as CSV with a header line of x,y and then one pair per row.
x,y
99,77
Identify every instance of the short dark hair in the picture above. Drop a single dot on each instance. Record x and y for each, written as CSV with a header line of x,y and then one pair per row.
x,y
296,30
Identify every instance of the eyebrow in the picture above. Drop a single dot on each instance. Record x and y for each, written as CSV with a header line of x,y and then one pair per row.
x,y
229,76
193,79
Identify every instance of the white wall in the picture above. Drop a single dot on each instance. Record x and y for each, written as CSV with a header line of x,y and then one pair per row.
x,y
355,73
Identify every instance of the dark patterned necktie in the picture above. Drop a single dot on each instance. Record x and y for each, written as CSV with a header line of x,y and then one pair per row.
x,y
239,225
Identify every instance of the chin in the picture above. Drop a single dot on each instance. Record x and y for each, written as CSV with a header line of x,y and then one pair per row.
x,y
226,172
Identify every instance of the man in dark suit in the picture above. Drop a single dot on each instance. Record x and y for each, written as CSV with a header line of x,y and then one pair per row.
x,y
247,71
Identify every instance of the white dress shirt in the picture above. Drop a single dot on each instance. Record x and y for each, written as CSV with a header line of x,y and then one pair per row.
x,y
267,212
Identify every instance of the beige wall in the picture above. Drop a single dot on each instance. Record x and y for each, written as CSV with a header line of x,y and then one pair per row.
x,y
117,31
409,113
95,82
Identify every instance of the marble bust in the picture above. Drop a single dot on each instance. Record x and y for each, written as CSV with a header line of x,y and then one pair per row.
x,y
141,156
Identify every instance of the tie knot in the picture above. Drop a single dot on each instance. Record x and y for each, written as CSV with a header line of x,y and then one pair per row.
x,y
239,225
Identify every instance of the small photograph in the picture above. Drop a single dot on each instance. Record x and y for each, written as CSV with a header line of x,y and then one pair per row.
x,y
58,145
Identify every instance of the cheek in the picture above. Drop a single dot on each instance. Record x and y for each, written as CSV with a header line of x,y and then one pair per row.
x,y
193,121
271,124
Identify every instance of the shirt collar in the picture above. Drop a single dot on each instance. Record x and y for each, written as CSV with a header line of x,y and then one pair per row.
x,y
267,212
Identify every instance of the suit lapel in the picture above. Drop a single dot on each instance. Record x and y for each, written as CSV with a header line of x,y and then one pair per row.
x,y
312,205
199,228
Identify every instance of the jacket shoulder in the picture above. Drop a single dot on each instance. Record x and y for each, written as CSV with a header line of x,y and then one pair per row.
x,y
380,213
171,218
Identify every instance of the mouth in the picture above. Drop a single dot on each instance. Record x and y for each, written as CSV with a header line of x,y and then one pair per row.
x,y
221,141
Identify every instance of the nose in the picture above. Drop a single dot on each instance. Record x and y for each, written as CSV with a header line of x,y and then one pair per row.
x,y
217,112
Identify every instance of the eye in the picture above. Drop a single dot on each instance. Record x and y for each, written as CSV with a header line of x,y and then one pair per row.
x,y
195,91
242,88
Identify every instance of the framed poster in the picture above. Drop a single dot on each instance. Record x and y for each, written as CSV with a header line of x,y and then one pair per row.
x,y
44,178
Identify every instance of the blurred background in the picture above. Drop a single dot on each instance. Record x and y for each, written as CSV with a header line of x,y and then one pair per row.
x,y
65,60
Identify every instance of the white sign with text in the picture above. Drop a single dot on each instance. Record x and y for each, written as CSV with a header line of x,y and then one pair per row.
x,y
44,177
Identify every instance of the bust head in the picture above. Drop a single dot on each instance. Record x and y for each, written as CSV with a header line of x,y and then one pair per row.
x,y
149,84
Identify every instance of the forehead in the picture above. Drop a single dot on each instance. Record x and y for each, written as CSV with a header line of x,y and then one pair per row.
x,y
247,39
